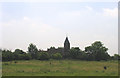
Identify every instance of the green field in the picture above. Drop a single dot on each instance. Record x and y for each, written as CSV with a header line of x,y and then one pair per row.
x,y
60,68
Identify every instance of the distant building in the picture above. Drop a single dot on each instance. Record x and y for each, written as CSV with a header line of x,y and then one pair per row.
x,y
63,50
66,46
53,50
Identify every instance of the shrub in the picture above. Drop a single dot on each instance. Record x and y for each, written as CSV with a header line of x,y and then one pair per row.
x,y
57,56
7,55
43,56
27,57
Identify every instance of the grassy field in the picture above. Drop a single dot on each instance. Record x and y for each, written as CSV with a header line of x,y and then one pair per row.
x,y
60,68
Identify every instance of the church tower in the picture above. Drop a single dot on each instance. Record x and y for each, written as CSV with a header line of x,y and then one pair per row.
x,y
66,46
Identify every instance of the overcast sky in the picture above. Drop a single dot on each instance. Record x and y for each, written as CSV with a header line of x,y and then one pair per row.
x,y
47,24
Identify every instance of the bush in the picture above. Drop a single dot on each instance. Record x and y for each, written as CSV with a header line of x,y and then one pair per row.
x,y
43,56
27,57
7,55
24,56
76,53
57,56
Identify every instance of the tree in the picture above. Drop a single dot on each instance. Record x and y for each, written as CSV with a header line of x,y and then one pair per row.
x,y
27,56
24,56
18,51
116,57
76,53
90,53
52,47
7,55
43,56
97,52
18,54
57,56
32,49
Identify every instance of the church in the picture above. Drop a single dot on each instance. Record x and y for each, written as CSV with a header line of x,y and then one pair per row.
x,y
63,50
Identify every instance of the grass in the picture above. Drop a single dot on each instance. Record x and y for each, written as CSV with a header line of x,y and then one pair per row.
x,y
60,68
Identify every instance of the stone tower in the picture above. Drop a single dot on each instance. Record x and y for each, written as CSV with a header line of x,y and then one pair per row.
x,y
66,46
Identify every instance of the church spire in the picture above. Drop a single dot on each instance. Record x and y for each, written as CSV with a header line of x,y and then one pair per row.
x,y
66,40
66,46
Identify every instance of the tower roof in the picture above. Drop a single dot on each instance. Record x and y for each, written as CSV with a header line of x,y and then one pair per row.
x,y
66,40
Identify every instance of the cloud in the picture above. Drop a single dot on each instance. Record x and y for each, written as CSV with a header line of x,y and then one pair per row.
x,y
89,8
26,18
77,12
71,13
27,23
19,33
110,12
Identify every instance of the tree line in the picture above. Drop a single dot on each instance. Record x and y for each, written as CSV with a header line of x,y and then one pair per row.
x,y
95,52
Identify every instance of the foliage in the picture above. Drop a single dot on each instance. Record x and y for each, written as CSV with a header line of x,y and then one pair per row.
x,y
18,51
27,56
52,47
76,53
57,56
43,56
7,55
18,54
97,52
32,49
115,57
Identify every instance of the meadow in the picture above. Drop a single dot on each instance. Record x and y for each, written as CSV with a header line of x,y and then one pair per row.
x,y
59,68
